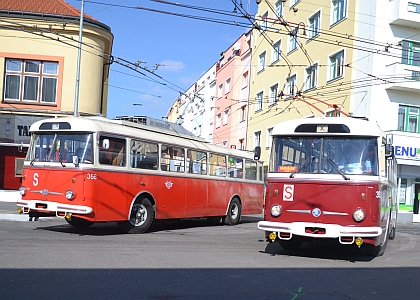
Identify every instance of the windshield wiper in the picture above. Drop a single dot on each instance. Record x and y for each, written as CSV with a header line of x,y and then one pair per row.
x,y
60,159
337,168
307,162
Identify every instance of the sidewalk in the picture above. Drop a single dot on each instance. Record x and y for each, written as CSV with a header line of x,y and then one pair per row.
x,y
8,207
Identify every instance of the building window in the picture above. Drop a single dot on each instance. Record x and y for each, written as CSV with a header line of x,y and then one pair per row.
x,y
273,94
264,21
241,144
31,81
243,113
293,2
408,118
258,101
293,38
414,7
269,138
336,65
339,10
261,62
314,22
218,120
257,139
220,91
291,86
278,6
245,79
410,53
276,52
332,113
227,88
226,117
311,77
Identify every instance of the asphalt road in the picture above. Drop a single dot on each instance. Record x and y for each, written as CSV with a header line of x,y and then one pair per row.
x,y
49,259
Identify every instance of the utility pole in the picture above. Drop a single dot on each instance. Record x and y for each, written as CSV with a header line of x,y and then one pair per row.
x,y
79,54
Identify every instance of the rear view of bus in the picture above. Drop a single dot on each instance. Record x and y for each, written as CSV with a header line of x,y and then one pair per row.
x,y
331,178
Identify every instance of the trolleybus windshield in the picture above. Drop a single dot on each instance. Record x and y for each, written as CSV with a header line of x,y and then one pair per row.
x,y
50,147
332,154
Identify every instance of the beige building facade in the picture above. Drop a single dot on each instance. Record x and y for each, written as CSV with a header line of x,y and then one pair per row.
x,y
297,70
38,64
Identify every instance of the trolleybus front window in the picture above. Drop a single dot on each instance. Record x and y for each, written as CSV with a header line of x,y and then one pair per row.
x,y
50,147
332,154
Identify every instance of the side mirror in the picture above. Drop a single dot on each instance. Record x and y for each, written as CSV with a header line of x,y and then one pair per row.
x,y
75,159
257,153
20,147
389,151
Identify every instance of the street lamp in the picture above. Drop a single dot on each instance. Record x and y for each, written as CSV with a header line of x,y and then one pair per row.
x,y
134,104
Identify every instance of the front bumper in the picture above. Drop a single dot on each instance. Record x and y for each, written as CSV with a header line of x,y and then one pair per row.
x,y
28,205
317,230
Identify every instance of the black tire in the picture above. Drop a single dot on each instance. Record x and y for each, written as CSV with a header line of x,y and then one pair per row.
x,y
392,233
141,217
79,222
234,213
372,250
292,244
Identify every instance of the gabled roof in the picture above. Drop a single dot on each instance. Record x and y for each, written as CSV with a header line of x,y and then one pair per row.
x,y
51,7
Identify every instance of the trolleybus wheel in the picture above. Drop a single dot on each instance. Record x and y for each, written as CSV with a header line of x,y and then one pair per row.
x,y
79,222
234,212
141,217
392,233
293,244
379,250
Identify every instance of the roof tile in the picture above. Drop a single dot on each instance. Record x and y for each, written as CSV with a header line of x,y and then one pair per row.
x,y
54,7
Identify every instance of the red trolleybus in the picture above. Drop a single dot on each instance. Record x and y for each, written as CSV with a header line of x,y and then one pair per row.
x,y
331,178
98,170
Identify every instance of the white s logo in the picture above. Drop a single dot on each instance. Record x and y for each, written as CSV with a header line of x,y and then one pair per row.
x,y
35,182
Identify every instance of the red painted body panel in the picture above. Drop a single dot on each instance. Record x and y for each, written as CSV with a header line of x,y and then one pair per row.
x,y
340,199
111,193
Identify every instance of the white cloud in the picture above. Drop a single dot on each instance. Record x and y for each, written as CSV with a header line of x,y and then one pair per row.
x,y
171,65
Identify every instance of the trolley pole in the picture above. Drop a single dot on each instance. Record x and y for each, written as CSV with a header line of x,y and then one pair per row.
x,y
79,54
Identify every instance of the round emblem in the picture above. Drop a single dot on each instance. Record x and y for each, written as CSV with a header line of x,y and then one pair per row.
x,y
316,212
44,192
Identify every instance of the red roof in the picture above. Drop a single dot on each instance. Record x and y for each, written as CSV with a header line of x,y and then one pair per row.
x,y
53,7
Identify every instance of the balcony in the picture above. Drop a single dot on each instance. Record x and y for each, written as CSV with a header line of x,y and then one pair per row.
x,y
403,77
405,13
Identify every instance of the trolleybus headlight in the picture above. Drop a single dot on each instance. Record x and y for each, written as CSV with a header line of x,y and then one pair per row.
x,y
359,215
22,191
276,210
70,195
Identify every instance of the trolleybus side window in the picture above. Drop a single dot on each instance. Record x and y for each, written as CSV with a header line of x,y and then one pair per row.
x,y
172,159
112,151
235,167
250,169
143,155
197,162
217,165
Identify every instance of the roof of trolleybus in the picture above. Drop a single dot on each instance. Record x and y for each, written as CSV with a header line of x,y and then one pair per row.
x,y
334,126
130,129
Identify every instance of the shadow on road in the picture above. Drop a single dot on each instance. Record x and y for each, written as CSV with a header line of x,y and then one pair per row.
x,y
111,228
326,249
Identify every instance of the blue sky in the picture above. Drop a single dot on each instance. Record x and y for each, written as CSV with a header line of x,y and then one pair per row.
x,y
186,47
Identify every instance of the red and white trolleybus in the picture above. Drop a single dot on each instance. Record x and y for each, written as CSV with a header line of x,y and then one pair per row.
x,y
90,169
331,178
